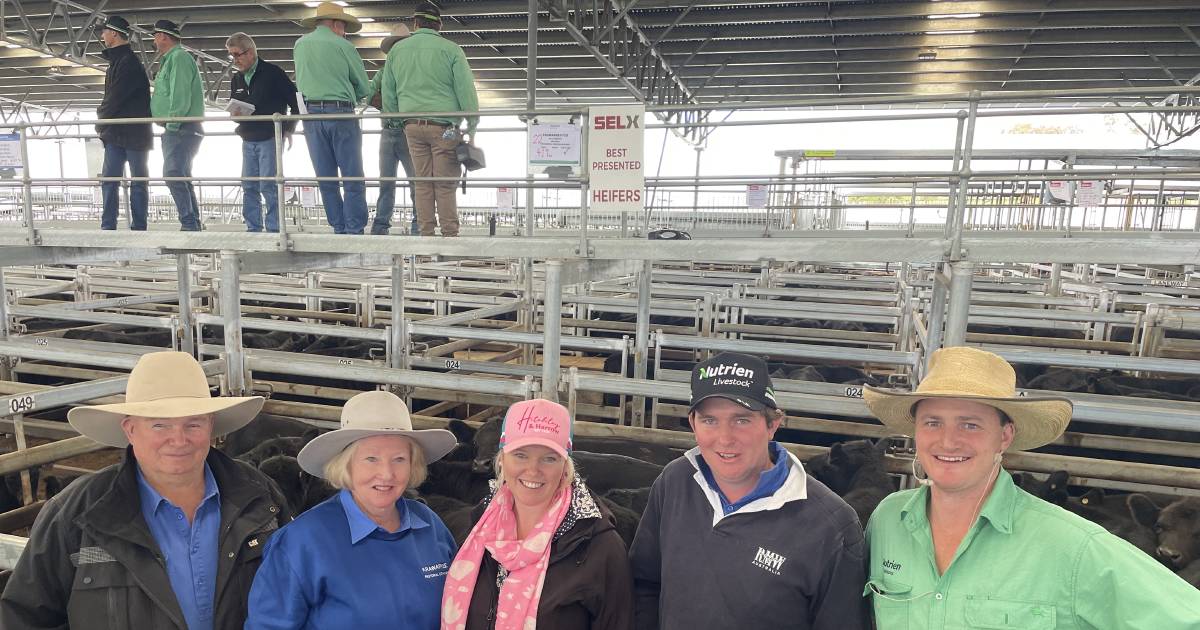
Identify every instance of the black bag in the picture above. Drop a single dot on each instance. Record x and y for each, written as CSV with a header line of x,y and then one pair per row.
x,y
470,156
668,234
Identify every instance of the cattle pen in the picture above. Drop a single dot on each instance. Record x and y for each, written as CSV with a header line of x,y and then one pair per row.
x,y
839,270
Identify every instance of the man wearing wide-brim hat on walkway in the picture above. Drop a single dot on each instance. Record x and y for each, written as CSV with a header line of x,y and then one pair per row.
x,y
970,549
171,537
332,80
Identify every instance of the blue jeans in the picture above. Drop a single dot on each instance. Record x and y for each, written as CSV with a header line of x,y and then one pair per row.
x,y
258,160
179,149
393,149
336,145
115,158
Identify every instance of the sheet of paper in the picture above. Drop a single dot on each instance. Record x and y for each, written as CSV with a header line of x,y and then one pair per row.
x,y
239,108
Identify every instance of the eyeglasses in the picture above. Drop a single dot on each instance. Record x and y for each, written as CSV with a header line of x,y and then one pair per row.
x,y
237,55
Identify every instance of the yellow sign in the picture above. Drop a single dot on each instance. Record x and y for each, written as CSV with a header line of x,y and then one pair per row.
x,y
828,153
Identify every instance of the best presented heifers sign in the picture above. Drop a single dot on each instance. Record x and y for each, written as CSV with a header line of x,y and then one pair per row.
x,y
615,151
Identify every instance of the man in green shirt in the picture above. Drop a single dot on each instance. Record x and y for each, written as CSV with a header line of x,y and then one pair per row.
x,y
429,73
178,93
332,80
968,549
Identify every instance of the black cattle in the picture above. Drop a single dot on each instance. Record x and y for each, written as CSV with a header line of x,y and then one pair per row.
x,y
1178,531
456,479
264,427
1191,573
604,471
625,519
1119,515
633,498
832,374
147,337
487,443
1064,380
301,489
1053,489
11,495
277,446
454,513
856,472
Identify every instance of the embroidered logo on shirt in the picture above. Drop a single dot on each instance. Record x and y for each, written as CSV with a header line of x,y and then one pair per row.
x,y
890,567
769,561
435,570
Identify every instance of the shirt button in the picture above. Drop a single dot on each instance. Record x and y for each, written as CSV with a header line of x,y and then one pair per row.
x,y
938,597
230,554
87,580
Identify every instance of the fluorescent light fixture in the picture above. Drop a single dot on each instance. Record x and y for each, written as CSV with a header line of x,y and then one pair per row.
x,y
341,3
45,56
950,32
927,55
12,45
312,5
961,16
366,20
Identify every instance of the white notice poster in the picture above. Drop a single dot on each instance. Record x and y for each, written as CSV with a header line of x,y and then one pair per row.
x,y
1060,191
504,199
615,152
555,144
756,195
308,196
10,150
1089,193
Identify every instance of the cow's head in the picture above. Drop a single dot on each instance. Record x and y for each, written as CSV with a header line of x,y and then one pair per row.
x,y
1178,529
487,444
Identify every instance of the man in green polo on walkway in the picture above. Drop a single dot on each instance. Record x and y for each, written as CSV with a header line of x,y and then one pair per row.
x,y
332,80
429,73
178,93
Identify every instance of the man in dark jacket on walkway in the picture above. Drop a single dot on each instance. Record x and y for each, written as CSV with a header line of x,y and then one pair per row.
x,y
267,87
735,534
126,95
168,539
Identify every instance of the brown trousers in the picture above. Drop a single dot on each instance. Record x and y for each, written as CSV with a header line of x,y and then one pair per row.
x,y
433,156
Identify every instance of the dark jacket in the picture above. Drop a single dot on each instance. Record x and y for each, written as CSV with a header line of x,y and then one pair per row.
x,y
793,560
91,561
126,95
587,585
271,92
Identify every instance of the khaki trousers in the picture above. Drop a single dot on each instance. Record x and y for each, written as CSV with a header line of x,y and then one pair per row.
x,y
433,156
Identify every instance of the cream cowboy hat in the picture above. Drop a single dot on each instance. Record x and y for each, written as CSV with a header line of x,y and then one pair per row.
x,y
978,375
331,11
399,32
368,414
164,385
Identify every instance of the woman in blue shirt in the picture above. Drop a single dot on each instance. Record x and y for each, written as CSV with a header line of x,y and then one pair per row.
x,y
366,557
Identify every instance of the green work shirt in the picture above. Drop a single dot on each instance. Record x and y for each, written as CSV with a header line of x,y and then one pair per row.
x,y
328,68
249,74
376,87
1024,565
426,72
177,88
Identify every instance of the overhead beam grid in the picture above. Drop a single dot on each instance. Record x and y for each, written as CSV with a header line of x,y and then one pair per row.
x,y
678,52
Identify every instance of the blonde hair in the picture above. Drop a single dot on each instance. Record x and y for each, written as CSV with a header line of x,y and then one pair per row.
x,y
337,469
569,473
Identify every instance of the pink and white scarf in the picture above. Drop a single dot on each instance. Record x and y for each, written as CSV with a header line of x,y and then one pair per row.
x,y
525,560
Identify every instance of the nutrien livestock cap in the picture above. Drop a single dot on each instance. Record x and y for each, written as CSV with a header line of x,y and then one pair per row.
x,y
742,378
117,24
168,27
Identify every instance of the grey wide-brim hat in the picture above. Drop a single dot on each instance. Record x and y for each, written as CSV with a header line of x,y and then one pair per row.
x,y
164,385
369,414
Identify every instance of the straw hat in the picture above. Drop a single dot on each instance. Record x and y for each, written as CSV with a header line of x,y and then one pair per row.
x,y
164,385
399,32
978,375
368,414
331,11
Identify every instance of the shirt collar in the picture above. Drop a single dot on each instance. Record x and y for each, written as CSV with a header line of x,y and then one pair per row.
x,y
253,68
427,31
152,499
362,526
769,481
998,509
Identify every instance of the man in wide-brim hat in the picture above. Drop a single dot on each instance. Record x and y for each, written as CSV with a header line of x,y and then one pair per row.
x,y
393,144
968,548
331,79
169,538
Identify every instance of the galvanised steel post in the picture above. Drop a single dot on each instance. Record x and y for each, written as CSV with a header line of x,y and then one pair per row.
x,y
187,340
552,330
964,178
231,314
642,338
960,303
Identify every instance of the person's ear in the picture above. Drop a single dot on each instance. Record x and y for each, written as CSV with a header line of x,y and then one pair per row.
x,y
1008,432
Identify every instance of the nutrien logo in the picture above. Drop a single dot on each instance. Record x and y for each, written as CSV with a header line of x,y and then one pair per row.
x,y
529,423
769,560
725,370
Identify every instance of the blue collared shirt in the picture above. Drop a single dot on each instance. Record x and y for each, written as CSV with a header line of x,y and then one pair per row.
x,y
333,567
769,480
190,550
